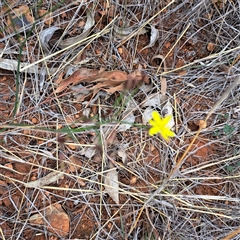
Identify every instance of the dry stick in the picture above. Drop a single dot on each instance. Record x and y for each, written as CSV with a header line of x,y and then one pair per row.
x,y
152,225
202,126
234,62
2,234
232,234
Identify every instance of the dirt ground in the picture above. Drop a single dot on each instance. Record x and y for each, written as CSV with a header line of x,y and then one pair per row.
x,y
76,81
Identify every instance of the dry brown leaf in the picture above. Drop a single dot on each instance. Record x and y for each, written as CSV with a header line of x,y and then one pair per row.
x,y
111,78
76,163
79,76
109,81
60,78
115,89
210,46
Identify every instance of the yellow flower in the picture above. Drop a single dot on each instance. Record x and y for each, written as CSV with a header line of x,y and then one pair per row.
x,y
161,125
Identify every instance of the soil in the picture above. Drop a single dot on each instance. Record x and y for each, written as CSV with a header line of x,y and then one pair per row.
x,y
35,140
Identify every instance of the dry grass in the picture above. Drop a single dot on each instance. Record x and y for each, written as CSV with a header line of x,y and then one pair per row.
x,y
41,130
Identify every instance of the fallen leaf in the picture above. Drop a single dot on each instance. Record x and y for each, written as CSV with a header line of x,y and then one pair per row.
x,y
124,30
154,37
88,152
122,152
45,37
54,218
166,111
111,137
75,163
12,65
162,79
111,183
128,117
87,28
155,100
46,180
136,79
109,81
128,121
147,115
78,76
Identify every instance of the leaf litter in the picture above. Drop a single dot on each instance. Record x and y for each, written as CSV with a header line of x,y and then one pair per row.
x,y
111,183
109,81
154,37
84,209
47,34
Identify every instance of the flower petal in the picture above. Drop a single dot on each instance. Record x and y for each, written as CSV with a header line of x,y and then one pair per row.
x,y
153,130
166,120
166,133
156,116
161,125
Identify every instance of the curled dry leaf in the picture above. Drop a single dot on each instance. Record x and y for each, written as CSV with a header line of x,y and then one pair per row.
x,y
154,37
111,183
79,76
128,121
147,115
125,30
162,79
122,32
54,216
166,111
109,81
111,137
89,24
45,36
155,100
12,65
88,152
122,152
